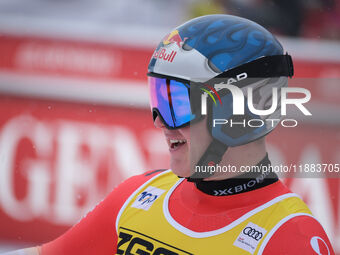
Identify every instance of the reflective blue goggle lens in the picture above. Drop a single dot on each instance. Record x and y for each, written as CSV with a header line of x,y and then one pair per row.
x,y
170,99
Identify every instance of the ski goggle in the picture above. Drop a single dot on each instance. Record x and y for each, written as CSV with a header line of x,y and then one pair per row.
x,y
170,97
170,101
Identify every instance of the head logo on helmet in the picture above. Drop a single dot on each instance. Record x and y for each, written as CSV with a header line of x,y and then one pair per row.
x,y
162,54
173,37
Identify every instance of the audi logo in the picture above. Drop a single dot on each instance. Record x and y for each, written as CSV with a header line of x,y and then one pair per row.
x,y
253,233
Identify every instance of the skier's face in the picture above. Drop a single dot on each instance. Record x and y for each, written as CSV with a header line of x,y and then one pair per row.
x,y
186,146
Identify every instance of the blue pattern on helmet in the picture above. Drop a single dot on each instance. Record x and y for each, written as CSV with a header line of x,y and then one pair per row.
x,y
228,41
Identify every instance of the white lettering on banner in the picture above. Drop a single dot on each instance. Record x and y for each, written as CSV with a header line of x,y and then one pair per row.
x,y
78,172
80,150
127,152
74,173
14,131
70,58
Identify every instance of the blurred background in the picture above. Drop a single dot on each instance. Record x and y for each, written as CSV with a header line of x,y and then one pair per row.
x,y
74,116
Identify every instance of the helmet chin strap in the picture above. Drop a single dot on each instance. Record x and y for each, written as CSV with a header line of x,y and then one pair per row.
x,y
211,157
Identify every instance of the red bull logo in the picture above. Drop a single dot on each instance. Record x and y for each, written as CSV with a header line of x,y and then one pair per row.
x,y
164,55
173,37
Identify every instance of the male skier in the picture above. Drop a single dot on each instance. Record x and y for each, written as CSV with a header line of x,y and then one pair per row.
x,y
189,209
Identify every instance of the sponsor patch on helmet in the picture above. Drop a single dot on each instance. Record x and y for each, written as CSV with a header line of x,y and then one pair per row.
x,y
173,37
164,54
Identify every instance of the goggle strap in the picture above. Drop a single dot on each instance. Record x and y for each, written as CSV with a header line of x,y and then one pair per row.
x,y
211,157
265,67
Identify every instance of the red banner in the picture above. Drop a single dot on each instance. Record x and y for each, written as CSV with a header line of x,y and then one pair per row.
x,y
77,59
59,158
